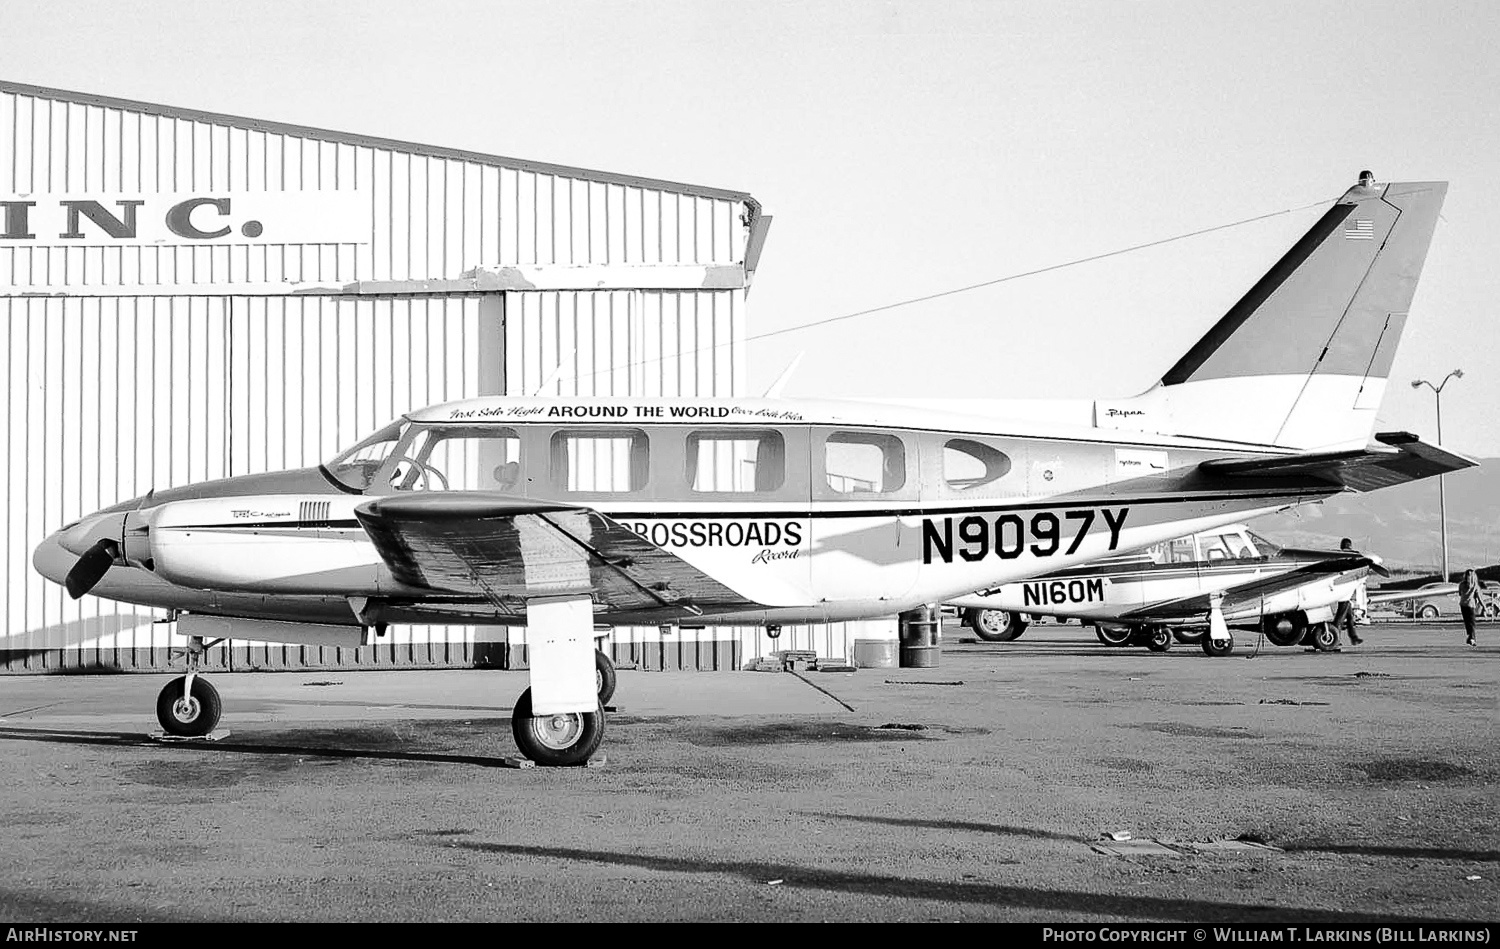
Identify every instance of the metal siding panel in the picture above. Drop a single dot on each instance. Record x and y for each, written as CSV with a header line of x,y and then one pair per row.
x,y
489,217
614,224
463,208
598,227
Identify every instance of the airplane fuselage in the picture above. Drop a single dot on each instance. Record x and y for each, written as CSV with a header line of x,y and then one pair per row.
x,y
804,511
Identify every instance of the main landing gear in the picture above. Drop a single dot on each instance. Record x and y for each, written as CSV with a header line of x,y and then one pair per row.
x,y
559,720
604,677
996,626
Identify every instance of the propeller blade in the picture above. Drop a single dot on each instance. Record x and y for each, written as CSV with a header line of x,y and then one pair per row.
x,y
1378,569
90,568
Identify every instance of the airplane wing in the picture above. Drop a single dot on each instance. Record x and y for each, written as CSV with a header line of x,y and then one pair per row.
x,y
506,550
1393,596
1196,607
1405,458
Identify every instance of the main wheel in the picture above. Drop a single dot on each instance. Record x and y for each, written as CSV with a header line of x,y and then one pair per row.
x,y
1325,637
1113,635
1282,631
1159,639
604,677
1217,647
564,740
190,716
1187,636
997,626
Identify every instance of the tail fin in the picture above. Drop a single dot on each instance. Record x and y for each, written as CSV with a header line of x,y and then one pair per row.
x,y
1301,360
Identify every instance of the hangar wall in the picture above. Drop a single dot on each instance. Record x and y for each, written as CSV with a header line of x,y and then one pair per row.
x,y
188,295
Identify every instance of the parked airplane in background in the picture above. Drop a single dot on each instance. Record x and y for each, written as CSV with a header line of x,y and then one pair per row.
x,y
562,513
1169,588
1433,600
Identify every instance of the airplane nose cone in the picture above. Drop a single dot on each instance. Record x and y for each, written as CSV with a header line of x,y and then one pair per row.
x,y
77,538
52,560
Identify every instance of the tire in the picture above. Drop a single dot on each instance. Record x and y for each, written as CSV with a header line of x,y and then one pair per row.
x,y
1159,639
1283,630
1325,637
1114,635
1188,636
1216,648
1428,612
556,741
604,677
193,718
997,626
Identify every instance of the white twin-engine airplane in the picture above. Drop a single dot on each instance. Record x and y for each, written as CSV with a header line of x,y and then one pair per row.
x,y
1169,590
560,514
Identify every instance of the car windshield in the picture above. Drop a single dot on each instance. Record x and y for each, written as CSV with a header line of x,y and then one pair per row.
x,y
356,467
1265,547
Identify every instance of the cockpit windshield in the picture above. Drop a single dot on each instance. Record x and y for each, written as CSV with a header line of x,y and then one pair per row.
x,y
1265,547
355,469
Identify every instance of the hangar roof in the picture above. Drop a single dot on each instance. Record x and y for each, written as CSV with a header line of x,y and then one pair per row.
x,y
369,141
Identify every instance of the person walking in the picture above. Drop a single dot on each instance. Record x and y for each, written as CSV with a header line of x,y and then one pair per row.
x,y
1469,602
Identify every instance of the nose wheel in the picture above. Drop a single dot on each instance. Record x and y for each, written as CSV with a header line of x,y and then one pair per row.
x,y
189,707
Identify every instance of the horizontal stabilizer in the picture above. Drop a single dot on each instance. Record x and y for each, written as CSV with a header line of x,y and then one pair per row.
x,y
1403,458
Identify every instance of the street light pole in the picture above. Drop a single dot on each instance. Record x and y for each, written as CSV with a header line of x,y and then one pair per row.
x,y
1437,394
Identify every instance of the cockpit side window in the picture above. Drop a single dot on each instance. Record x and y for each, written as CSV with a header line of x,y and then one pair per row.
x,y
459,458
355,468
1263,547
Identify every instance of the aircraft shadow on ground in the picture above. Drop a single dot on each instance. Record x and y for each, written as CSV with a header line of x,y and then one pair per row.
x,y
1002,830
1131,906
137,740
1415,853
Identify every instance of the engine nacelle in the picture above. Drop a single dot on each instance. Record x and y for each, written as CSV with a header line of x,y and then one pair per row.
x,y
268,544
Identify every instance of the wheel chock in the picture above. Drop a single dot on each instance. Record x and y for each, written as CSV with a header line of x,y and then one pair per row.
x,y
218,734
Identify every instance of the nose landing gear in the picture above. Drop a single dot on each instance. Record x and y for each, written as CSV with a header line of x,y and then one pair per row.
x,y
189,705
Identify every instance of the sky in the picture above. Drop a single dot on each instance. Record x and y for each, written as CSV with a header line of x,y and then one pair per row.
x,y
910,147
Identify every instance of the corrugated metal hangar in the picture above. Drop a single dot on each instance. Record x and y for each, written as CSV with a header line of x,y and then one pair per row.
x,y
187,295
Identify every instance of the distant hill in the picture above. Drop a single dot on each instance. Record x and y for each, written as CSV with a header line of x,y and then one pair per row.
x,y
1400,524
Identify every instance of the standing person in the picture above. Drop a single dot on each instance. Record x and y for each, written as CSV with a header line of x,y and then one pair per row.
x,y
1345,619
1468,602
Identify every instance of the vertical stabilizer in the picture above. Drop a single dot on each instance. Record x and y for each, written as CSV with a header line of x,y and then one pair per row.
x,y
1301,360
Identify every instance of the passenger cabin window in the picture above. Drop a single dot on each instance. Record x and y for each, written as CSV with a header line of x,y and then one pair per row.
x,y
969,464
736,462
1174,551
864,463
1224,547
600,461
454,458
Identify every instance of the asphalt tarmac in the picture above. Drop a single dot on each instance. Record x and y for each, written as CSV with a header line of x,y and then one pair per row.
x,y
1354,788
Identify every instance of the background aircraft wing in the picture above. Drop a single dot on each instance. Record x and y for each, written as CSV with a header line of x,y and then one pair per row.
x,y
1406,458
507,550
1236,597
1420,593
